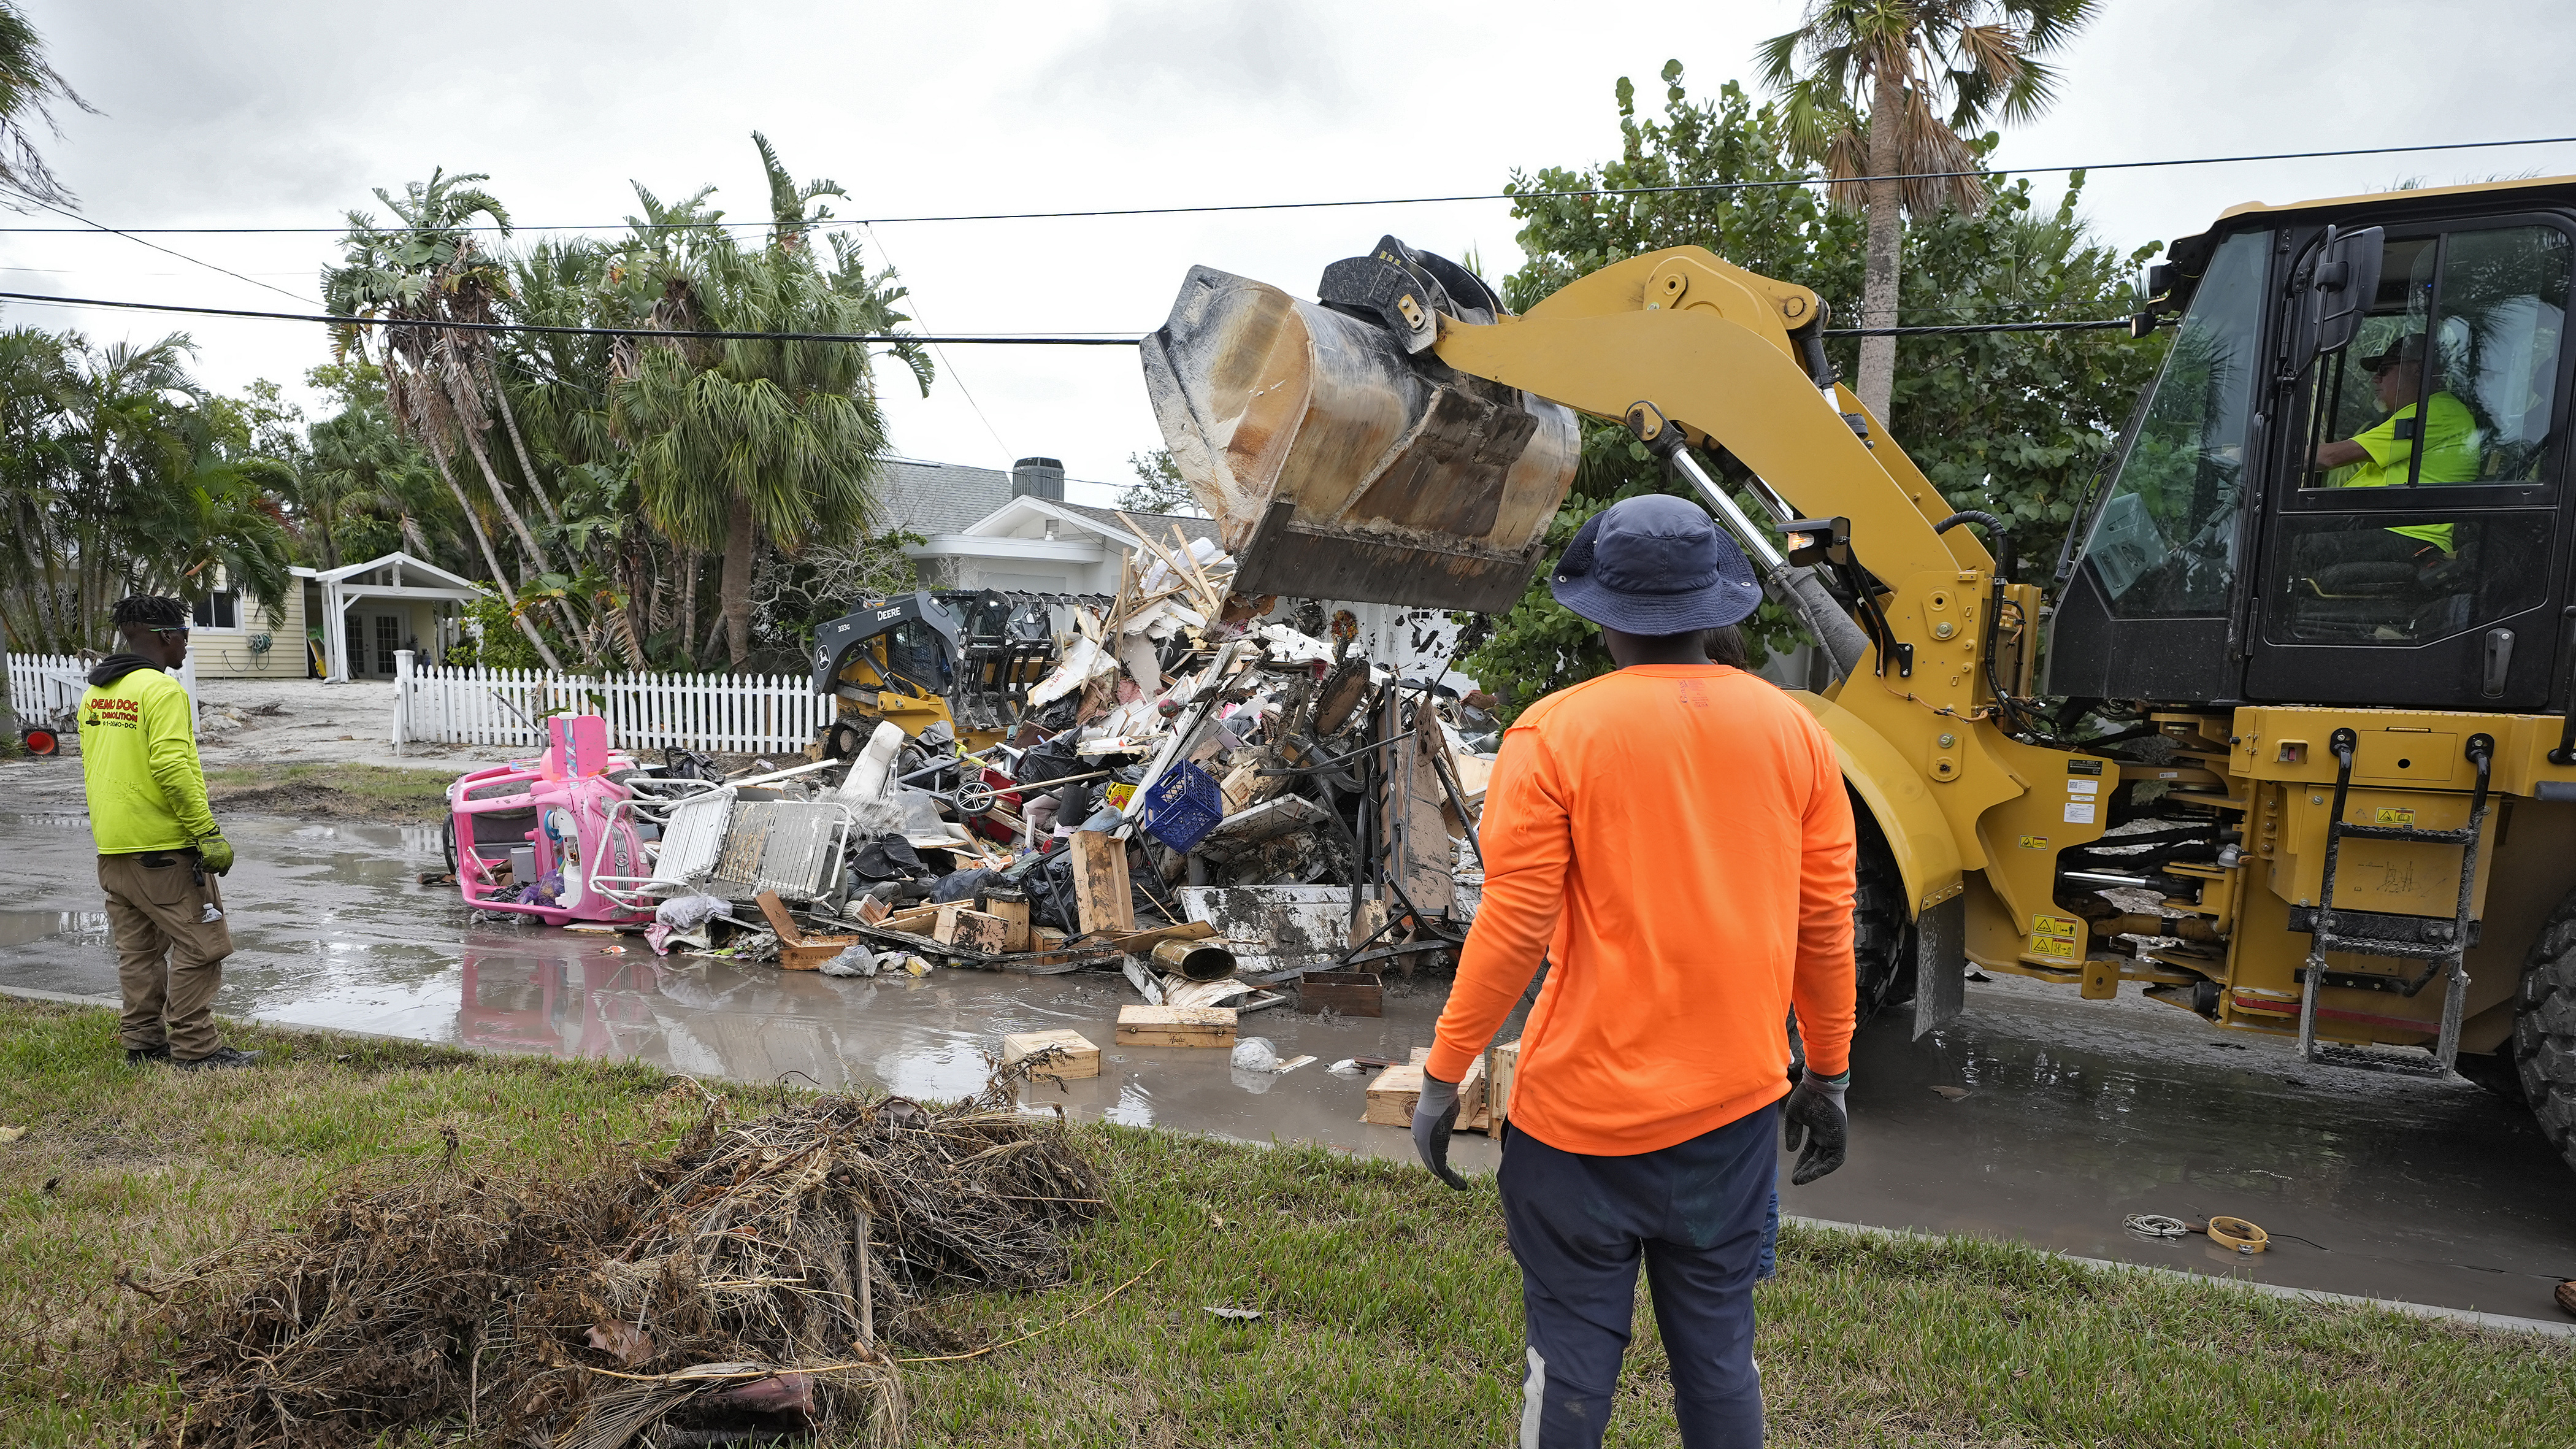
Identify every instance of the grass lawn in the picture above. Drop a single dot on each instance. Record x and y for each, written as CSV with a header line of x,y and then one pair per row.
x,y
340,791
1391,1310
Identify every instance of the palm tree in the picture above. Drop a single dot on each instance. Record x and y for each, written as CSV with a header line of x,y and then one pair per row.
x,y
39,385
431,269
1869,102
29,85
737,441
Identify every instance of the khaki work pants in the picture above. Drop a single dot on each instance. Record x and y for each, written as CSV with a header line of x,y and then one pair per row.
x,y
169,958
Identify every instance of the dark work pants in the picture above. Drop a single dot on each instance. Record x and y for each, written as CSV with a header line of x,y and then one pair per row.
x,y
1699,1213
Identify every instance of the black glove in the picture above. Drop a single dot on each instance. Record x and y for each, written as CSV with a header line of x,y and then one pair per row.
x,y
1814,1118
1435,1115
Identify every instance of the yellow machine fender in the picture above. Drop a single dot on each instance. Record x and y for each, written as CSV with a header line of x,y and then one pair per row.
x,y
1927,855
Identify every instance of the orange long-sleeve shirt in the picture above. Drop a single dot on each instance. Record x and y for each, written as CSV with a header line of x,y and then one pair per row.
x,y
1675,838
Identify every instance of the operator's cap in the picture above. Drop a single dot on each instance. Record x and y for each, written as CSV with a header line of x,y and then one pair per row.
x,y
2409,348
1654,565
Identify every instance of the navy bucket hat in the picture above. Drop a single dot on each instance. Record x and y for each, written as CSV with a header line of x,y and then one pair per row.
x,y
1654,565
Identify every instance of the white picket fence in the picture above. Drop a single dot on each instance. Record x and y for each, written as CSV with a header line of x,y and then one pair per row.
x,y
507,708
46,688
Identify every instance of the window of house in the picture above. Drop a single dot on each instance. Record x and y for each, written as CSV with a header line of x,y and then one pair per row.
x,y
219,610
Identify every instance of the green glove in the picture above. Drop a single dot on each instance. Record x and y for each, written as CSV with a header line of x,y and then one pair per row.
x,y
215,853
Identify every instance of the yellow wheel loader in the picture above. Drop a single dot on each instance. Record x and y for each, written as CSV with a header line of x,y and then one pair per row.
x,y
2317,610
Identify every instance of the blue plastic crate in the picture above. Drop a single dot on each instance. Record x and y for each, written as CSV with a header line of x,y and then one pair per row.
x,y
1182,807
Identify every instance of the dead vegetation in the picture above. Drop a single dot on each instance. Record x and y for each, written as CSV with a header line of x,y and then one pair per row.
x,y
754,1280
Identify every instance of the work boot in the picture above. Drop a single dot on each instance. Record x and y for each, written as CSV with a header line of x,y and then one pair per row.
x,y
219,1057
145,1056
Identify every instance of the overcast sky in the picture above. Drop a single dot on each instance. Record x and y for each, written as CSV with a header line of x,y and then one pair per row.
x,y
288,112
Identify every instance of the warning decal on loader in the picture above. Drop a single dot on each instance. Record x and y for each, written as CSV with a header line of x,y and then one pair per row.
x,y
2054,936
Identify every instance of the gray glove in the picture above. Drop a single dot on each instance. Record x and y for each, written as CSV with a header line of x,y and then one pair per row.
x,y
1435,1114
1814,1116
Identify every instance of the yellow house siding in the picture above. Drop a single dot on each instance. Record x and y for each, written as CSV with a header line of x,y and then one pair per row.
x,y
226,653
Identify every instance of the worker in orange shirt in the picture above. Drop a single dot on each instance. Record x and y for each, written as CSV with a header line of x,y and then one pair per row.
x,y
1674,838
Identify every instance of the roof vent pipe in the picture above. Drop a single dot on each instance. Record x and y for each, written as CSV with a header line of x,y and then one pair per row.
x,y
1038,478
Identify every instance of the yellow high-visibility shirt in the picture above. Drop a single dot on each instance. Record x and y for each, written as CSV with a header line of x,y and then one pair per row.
x,y
138,744
2450,441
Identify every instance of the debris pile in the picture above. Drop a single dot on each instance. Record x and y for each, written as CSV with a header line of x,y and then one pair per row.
x,y
1198,767
747,1285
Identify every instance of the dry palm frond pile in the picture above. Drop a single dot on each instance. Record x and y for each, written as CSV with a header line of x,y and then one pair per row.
x,y
749,1281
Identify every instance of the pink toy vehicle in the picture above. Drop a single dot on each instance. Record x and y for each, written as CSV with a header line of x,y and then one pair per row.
x,y
528,836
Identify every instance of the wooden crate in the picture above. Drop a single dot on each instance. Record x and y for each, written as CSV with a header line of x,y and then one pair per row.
x,y
1392,1096
796,950
1507,1062
1182,1026
1079,1057
1352,993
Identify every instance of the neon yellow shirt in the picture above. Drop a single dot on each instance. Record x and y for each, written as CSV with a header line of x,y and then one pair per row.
x,y
2450,456
138,744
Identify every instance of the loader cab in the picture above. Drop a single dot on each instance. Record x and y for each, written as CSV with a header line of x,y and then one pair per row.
x,y
2384,523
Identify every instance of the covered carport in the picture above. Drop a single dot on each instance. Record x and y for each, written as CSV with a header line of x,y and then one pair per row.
x,y
372,610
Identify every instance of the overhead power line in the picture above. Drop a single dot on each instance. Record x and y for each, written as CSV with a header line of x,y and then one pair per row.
x,y
959,339
1099,212
87,224
954,339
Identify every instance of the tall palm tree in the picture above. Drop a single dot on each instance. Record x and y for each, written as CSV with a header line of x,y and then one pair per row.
x,y
39,386
1883,89
430,268
29,85
738,441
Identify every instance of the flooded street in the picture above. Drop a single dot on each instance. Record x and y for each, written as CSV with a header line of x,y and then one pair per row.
x,y
2061,1118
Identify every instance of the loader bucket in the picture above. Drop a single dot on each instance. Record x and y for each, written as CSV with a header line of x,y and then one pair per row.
x,y
1338,466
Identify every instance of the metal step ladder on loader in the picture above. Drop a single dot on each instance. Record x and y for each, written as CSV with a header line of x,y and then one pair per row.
x,y
2349,931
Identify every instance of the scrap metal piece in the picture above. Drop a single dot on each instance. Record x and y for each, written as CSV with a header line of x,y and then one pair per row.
x,y
792,847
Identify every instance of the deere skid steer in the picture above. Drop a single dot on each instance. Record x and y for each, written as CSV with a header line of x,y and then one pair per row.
x,y
2302,760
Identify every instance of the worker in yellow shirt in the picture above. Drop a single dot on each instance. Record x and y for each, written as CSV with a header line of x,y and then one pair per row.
x,y
2384,455
159,849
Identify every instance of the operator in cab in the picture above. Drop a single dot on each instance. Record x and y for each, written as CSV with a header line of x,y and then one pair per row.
x,y
1654,1063
2383,455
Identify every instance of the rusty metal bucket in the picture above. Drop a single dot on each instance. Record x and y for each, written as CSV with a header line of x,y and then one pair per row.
x,y
1340,467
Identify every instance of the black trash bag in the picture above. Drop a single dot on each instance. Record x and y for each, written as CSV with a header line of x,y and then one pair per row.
x,y
1047,881
887,857
961,885
1049,760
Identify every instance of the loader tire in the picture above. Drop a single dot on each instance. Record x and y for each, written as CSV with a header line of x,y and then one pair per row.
x,y
1882,934
2544,1030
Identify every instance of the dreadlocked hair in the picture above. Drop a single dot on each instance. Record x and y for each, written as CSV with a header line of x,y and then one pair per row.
x,y
149,611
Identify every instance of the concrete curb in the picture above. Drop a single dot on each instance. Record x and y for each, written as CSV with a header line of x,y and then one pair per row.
x,y
2499,1322
2471,1317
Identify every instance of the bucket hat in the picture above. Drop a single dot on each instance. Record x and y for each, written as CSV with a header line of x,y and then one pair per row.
x,y
1654,565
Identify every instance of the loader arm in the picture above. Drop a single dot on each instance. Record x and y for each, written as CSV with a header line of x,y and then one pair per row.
x,y
1708,344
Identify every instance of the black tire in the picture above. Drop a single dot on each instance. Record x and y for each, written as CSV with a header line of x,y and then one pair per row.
x,y
2544,1030
447,838
1882,931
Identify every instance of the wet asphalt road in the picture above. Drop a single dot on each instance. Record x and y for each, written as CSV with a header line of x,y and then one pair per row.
x,y
2074,1113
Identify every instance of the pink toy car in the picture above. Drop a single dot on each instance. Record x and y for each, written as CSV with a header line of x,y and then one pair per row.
x,y
528,836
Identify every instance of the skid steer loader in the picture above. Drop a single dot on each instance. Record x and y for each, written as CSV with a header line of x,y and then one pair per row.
x,y
2315,613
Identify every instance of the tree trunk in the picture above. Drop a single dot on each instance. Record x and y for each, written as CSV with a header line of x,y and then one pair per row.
x,y
735,588
1877,387
519,445
537,556
687,621
640,586
491,560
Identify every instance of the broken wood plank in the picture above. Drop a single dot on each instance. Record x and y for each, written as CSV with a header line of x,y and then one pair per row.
x,y
776,912
1102,895
977,931
873,911
1181,1026
1071,1054
1507,1062
915,920
943,927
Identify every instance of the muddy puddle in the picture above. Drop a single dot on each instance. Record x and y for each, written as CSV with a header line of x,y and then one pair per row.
x,y
2060,1117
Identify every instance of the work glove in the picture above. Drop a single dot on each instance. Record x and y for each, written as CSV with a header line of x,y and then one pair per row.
x,y
1435,1115
1813,1119
215,853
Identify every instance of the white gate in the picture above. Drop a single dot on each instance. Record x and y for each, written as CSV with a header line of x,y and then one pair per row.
x,y
507,708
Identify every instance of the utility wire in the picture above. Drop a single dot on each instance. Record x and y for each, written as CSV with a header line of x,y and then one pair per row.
x,y
953,374
1996,173
956,339
156,246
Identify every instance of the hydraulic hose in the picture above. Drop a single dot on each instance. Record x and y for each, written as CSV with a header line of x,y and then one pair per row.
x,y
1798,588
